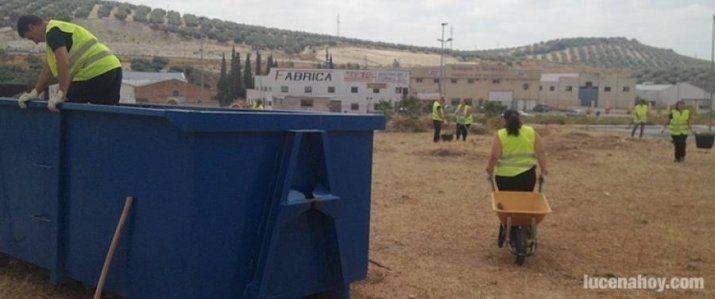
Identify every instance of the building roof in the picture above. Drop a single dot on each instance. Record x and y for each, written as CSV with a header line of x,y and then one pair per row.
x,y
146,78
704,85
554,77
652,87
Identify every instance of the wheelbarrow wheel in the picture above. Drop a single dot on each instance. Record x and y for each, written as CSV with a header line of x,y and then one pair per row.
x,y
502,236
520,242
4,260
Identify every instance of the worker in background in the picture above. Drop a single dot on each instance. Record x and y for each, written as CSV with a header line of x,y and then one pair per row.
x,y
464,119
258,105
86,69
438,117
679,126
640,117
515,152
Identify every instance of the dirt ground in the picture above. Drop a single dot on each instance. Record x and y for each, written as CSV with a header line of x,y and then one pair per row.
x,y
621,207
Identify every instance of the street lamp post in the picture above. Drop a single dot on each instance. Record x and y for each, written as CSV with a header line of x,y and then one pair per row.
x,y
441,61
712,79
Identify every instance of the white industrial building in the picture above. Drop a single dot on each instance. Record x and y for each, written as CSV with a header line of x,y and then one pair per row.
x,y
350,91
665,95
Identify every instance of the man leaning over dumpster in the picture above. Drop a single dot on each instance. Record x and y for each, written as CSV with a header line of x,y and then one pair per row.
x,y
85,68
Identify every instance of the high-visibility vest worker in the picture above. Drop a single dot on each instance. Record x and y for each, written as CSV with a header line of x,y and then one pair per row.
x,y
88,57
517,152
437,111
679,123
466,110
258,106
640,113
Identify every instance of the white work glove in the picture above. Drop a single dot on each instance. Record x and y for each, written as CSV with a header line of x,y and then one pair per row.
x,y
26,97
56,98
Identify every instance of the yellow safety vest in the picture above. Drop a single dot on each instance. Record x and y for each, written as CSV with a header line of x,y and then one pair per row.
x,y
517,152
257,107
88,58
467,115
640,113
679,122
436,108
460,114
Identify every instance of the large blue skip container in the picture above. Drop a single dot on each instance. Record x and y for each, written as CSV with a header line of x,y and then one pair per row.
x,y
228,203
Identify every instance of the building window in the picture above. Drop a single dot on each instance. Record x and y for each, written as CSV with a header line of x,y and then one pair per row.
x,y
607,89
398,90
589,84
551,88
375,90
436,81
455,102
525,86
470,81
308,89
541,87
306,103
284,88
626,89
331,89
354,106
419,80
175,93
495,81
454,81
354,89
569,88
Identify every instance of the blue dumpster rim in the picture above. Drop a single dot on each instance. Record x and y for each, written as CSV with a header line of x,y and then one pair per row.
x,y
201,119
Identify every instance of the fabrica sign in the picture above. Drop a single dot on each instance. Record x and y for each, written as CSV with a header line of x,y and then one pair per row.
x,y
304,76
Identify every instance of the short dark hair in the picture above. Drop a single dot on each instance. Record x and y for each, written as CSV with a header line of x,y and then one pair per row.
x,y
24,22
513,122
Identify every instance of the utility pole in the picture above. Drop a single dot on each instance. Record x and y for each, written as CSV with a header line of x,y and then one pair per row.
x,y
201,94
712,80
441,62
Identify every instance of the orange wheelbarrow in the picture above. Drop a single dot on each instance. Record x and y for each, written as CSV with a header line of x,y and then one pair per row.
x,y
519,214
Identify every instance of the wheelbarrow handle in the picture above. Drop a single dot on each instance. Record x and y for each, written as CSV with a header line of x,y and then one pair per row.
x,y
492,184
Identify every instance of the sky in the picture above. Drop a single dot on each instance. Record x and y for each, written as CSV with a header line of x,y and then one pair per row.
x,y
684,26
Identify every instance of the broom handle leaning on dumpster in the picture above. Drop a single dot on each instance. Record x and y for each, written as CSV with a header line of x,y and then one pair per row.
x,y
113,247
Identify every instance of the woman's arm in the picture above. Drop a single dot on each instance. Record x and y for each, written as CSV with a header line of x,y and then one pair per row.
x,y
540,154
494,157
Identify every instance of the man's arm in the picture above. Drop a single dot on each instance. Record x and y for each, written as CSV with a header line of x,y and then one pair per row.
x,y
494,157
540,154
63,69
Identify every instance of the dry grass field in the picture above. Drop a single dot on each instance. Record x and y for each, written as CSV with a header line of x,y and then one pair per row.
x,y
621,207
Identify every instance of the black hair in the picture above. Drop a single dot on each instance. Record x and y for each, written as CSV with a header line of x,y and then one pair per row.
x,y
513,122
24,22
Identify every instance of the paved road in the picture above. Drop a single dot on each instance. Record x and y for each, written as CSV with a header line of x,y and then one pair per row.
x,y
651,131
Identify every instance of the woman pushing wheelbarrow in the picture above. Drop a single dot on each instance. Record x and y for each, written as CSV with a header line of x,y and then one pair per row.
x,y
512,173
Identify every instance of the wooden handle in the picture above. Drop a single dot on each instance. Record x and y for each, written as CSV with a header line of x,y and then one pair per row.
x,y
113,247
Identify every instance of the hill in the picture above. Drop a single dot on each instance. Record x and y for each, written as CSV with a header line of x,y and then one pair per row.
x,y
138,30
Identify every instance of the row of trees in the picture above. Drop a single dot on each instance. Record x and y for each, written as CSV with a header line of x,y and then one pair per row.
x,y
234,81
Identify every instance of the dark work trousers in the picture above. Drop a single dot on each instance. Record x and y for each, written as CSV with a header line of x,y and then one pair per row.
x,y
679,141
463,130
524,181
437,129
103,89
635,126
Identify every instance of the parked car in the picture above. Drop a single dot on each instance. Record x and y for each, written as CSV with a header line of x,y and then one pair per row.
x,y
541,108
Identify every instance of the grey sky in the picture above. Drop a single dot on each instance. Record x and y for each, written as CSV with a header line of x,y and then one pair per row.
x,y
684,26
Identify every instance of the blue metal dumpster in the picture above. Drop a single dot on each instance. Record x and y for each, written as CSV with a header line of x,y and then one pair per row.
x,y
228,203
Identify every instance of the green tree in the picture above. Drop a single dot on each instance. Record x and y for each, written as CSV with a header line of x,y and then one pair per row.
x,y
258,64
247,74
236,89
269,63
222,87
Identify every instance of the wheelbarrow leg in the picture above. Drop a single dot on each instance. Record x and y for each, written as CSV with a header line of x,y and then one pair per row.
x,y
534,239
508,230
